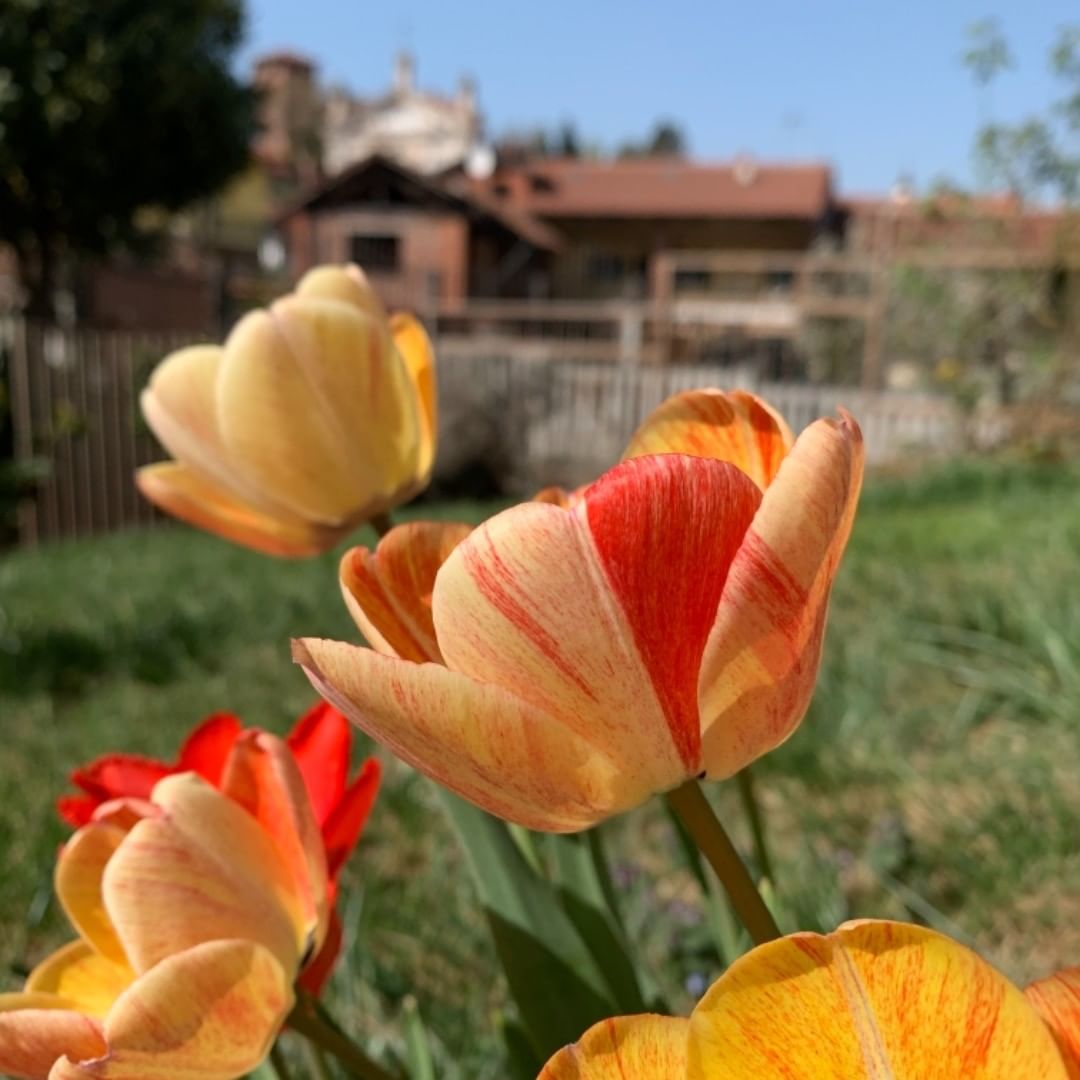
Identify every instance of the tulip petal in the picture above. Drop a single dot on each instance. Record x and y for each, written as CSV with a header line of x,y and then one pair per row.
x,y
84,978
320,967
1057,1001
342,829
736,427
874,999
321,746
192,498
37,1028
558,496
79,873
414,348
204,869
388,591
349,284
210,1012
481,741
263,778
639,1047
761,661
316,409
207,748
112,776
599,615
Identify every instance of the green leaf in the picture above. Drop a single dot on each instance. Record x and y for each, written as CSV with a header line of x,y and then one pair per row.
x,y
584,886
417,1047
553,976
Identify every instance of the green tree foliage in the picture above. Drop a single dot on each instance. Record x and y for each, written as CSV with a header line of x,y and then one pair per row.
x,y
109,108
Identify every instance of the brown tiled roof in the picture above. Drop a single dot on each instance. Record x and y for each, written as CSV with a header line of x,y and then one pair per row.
x,y
661,187
335,190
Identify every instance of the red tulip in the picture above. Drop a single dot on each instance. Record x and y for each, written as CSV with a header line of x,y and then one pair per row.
x,y
320,743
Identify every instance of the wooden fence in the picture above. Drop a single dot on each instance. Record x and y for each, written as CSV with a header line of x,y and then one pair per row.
x,y
530,422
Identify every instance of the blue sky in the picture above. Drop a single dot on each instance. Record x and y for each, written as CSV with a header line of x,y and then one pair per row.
x,y
875,88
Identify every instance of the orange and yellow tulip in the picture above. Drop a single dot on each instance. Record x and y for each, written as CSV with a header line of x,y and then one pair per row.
x,y
315,416
560,664
196,910
873,999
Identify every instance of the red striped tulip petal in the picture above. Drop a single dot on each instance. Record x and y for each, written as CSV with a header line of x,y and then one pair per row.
x,y
599,615
36,1029
478,739
1057,1001
315,409
736,427
388,591
625,1048
874,1000
85,979
210,1012
203,870
263,778
761,661
189,496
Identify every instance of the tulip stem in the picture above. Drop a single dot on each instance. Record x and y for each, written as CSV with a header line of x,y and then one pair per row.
x,y
312,1021
744,780
382,524
694,811
277,1061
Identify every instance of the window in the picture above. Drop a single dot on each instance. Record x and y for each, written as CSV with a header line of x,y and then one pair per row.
x,y
780,281
692,281
379,254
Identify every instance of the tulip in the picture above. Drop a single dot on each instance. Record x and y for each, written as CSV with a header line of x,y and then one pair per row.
x,y
874,1000
320,745
314,417
195,910
560,664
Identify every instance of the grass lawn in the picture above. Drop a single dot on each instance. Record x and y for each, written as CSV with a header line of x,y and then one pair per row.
x,y
934,779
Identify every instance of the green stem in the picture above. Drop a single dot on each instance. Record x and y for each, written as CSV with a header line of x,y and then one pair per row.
x,y
382,524
277,1061
311,1020
744,780
693,809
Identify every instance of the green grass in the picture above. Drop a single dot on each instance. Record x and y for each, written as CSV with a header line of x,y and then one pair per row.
x,y
934,777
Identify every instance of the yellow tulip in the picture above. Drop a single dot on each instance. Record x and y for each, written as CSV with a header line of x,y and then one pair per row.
x,y
873,1000
561,663
316,415
196,911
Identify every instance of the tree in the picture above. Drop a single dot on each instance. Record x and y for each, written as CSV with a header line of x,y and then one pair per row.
x,y
110,109
665,140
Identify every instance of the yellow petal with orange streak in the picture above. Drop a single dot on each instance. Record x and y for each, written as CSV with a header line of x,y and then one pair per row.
x,y
192,498
642,1047
83,977
262,776
78,882
211,1012
317,411
37,1028
202,870
760,664
482,742
414,347
388,590
737,427
347,283
1057,1001
877,1000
